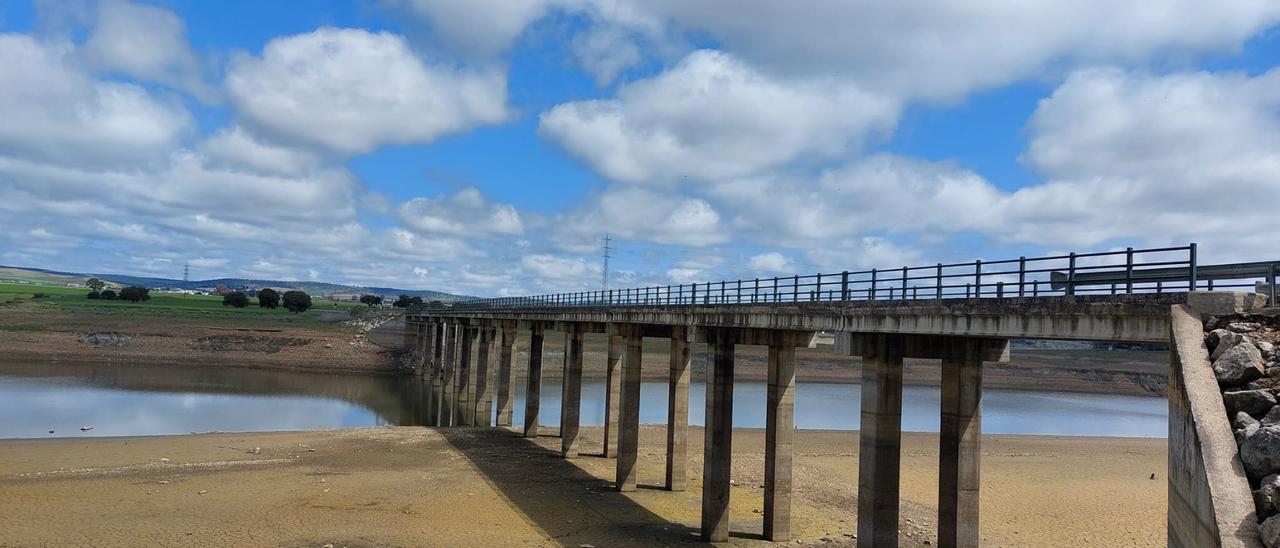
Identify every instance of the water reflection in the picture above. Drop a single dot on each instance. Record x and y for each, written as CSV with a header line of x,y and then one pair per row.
x,y
148,400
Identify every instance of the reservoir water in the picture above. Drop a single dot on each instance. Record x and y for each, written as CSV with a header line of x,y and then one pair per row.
x,y
147,400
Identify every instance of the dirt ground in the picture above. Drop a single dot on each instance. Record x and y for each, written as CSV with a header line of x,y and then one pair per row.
x,y
50,334
408,486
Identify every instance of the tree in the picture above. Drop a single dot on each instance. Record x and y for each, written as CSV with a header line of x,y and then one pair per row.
x,y
107,295
405,301
95,284
222,289
296,301
135,294
268,298
371,300
236,299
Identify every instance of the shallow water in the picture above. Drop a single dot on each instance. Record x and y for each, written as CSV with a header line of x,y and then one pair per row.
x,y
146,400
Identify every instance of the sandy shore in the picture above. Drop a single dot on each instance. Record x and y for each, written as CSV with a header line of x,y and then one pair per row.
x,y
408,486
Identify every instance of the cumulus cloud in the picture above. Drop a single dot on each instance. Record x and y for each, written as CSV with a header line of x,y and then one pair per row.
x,y
641,214
477,28
237,148
53,111
713,116
351,91
146,42
464,213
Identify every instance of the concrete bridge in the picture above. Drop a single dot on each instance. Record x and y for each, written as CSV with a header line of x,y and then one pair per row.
x,y
960,314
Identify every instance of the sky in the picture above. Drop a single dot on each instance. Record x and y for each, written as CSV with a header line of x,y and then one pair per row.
x,y
485,147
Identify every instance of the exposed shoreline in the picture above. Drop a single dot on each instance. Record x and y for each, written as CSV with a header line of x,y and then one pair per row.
x,y
422,486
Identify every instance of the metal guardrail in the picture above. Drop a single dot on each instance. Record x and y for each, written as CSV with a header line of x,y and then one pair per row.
x,y
1156,270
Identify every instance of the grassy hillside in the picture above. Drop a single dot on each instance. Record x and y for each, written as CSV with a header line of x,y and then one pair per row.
x,y
74,298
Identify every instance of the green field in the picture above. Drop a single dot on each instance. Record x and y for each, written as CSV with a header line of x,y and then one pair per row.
x,y
74,298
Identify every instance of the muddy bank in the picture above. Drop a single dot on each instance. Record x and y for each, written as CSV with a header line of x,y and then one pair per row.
x,y
48,334
420,487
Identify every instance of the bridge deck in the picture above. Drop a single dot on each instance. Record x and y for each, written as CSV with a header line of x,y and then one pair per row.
x,y
1117,318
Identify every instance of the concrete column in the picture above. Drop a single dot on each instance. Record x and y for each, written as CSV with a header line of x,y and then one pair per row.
x,y
533,393
410,333
779,430
428,373
564,376
678,410
612,392
484,388
960,449
629,410
718,446
419,355
448,387
464,414
437,374
880,439
505,399
571,404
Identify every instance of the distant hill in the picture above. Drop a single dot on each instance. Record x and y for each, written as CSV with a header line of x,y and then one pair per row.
x,y
34,275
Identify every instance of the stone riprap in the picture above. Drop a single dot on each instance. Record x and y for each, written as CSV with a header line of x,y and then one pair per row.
x,y
1246,363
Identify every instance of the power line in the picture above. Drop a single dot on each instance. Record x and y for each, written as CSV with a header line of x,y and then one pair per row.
x,y
604,275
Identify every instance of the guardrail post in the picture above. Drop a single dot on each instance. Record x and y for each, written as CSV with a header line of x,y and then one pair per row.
x,y
977,278
1128,270
795,289
999,290
1071,274
1022,276
938,283
872,293
1192,266
1271,283
904,283
844,285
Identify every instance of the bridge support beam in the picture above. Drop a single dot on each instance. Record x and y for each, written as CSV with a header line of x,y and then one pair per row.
x,y
428,374
629,410
612,392
960,450
779,431
880,439
571,403
437,374
484,388
533,391
506,401
464,413
678,410
718,445
447,381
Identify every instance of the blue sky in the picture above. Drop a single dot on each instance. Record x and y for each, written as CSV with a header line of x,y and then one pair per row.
x,y
484,147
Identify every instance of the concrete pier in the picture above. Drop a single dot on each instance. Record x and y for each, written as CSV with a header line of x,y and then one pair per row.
x,y
437,377
484,387
571,404
678,410
464,413
506,398
533,392
718,447
880,439
612,392
629,409
779,431
450,371
960,449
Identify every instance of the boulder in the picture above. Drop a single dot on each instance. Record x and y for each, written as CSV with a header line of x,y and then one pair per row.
x,y
1243,420
1239,365
1225,303
1254,402
1270,531
1243,327
1260,453
1267,497
1244,426
1272,417
1220,341
1266,348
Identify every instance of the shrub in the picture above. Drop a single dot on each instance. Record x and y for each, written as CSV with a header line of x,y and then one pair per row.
x,y
406,301
135,294
296,301
93,294
371,299
40,296
269,298
107,295
236,299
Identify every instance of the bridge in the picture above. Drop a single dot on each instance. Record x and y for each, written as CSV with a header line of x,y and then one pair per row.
x,y
961,314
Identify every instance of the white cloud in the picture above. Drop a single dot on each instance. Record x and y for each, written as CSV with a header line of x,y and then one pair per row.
x,y
236,148
477,28
464,213
146,42
713,116
53,111
351,91
605,52
561,269
771,262
641,214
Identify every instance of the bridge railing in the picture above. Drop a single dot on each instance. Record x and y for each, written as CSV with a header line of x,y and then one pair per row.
x,y
1155,270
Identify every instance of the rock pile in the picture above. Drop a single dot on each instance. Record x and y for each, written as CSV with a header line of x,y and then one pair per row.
x,y
1245,352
